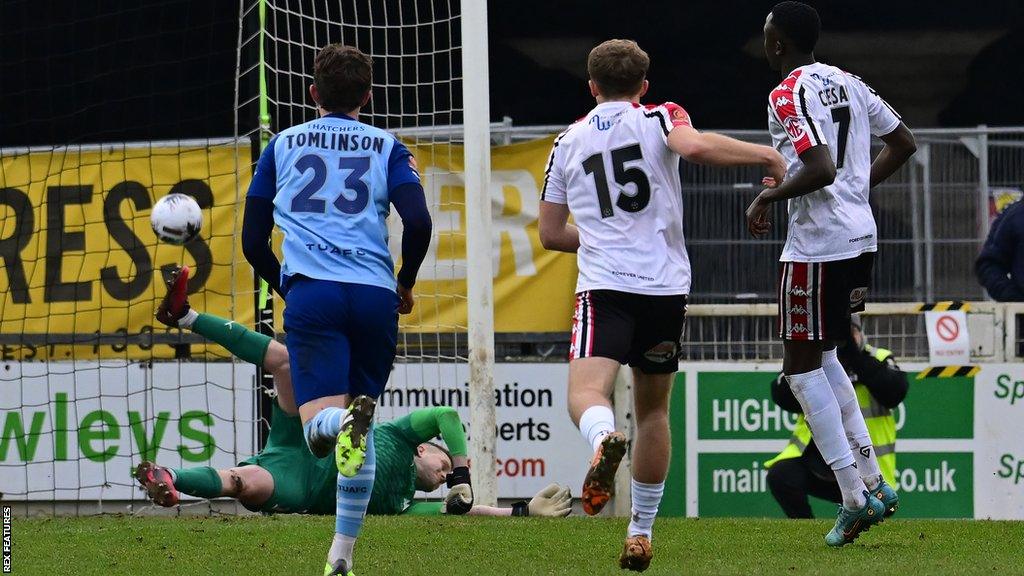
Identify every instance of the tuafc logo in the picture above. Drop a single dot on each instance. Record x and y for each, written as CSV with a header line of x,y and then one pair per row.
x,y
354,489
794,127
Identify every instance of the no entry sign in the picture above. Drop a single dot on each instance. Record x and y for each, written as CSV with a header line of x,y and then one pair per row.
x,y
948,341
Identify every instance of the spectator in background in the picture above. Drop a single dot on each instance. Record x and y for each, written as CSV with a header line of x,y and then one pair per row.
x,y
799,470
1000,266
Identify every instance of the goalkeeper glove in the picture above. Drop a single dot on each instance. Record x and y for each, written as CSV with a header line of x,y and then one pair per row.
x,y
552,501
460,493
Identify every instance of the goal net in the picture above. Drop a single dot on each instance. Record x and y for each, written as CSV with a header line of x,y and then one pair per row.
x,y
416,94
90,383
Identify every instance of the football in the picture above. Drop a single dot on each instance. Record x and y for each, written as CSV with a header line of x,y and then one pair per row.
x,y
176,218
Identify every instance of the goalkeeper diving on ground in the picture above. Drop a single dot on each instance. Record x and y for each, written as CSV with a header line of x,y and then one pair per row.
x,y
285,477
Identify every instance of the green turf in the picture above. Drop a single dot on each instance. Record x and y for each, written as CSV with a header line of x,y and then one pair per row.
x,y
485,546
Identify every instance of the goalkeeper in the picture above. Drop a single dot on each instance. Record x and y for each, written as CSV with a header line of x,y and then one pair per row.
x,y
285,477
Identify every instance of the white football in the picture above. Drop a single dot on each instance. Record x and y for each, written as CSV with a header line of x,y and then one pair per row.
x,y
176,218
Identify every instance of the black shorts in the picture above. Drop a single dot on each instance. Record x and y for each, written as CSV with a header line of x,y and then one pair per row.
x,y
817,298
635,329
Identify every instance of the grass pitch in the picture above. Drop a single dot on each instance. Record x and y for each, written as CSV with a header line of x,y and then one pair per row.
x,y
483,546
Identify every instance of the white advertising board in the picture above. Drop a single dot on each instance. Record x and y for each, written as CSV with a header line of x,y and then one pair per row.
x,y
75,430
537,443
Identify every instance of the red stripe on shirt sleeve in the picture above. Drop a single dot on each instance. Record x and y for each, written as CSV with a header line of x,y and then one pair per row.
x,y
677,115
783,102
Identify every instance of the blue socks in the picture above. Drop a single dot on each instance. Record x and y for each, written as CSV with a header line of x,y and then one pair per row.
x,y
354,494
322,430
353,499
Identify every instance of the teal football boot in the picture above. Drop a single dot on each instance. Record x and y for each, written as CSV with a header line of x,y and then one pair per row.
x,y
850,523
887,494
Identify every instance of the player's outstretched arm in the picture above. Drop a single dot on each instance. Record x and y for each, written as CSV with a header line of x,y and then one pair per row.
x,y
899,147
555,231
553,501
717,150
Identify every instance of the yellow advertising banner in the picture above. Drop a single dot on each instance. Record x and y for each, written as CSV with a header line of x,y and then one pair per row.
x,y
79,255
533,288
80,259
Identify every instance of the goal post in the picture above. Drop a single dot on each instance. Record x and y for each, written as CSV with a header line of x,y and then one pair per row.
x,y
479,272
430,88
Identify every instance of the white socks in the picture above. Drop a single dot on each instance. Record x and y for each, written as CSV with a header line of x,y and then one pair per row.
x,y
825,419
341,549
822,413
853,421
596,423
852,487
646,498
188,319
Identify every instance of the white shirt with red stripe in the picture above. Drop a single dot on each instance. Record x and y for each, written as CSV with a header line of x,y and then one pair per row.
x,y
621,182
821,104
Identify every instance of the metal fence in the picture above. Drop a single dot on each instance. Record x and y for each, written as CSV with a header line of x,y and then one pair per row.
x,y
748,332
933,216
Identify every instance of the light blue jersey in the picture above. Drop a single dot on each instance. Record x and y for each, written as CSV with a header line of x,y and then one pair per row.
x,y
331,181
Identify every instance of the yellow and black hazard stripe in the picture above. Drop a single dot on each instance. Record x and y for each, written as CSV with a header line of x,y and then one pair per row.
x,y
948,372
944,306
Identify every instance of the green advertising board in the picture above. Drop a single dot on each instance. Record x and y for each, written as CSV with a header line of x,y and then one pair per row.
x,y
738,428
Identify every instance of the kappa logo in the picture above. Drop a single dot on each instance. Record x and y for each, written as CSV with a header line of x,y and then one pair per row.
x,y
782,101
798,329
798,310
798,291
663,352
857,296
794,127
